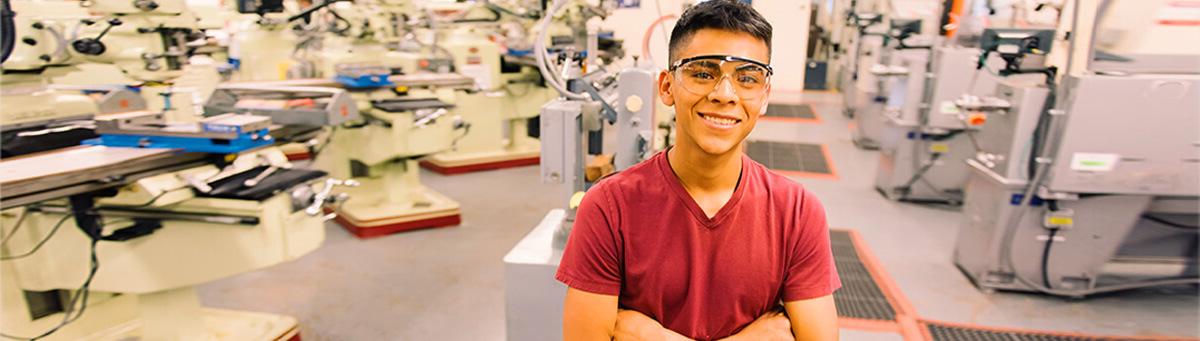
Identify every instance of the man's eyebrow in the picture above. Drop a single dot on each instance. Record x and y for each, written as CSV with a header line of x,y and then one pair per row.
x,y
749,66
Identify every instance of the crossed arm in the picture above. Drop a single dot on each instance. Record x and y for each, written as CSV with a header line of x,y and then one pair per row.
x,y
588,316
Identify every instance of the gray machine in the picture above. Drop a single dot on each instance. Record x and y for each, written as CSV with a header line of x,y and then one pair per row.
x,y
933,127
857,85
571,130
1098,194
898,76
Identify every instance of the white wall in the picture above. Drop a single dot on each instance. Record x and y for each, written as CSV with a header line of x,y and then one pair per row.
x,y
790,39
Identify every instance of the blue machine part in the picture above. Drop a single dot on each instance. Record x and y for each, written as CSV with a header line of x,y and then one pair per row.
x,y
1016,200
188,144
365,81
519,53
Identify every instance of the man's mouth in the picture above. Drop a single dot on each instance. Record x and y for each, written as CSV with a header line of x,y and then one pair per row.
x,y
720,121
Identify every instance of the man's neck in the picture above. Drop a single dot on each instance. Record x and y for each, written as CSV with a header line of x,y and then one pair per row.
x,y
700,172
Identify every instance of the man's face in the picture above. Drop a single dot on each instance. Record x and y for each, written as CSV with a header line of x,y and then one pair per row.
x,y
718,121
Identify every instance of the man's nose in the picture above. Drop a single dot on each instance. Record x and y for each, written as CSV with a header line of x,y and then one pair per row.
x,y
724,91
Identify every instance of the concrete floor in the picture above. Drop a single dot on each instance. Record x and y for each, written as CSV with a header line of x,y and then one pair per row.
x,y
447,284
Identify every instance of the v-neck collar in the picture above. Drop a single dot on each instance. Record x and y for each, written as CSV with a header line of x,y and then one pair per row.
x,y
668,173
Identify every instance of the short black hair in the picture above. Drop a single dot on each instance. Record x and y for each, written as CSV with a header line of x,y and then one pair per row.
x,y
725,15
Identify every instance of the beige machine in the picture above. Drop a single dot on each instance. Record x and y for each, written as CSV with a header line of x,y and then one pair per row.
x,y
381,149
382,153
160,241
403,116
28,100
108,243
510,90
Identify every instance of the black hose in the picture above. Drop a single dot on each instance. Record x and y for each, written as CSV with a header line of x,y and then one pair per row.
x,y
1046,259
495,17
1041,130
1052,205
1169,223
8,30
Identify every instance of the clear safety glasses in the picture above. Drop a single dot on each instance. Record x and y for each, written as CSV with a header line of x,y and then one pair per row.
x,y
701,74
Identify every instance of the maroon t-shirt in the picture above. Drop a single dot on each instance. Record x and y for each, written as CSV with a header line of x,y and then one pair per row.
x,y
640,236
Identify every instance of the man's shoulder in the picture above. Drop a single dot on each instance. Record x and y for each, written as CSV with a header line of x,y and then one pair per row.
x,y
643,175
777,185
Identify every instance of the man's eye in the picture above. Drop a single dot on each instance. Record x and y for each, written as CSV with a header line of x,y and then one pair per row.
x,y
749,78
705,75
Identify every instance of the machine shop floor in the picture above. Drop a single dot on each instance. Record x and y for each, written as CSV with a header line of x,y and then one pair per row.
x,y
447,284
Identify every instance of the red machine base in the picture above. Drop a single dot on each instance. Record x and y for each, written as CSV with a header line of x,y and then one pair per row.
x,y
365,232
452,170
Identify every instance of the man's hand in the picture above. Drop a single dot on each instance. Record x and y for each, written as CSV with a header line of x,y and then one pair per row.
x,y
772,326
635,326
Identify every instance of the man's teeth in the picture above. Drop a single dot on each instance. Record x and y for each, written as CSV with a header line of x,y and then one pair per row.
x,y
719,120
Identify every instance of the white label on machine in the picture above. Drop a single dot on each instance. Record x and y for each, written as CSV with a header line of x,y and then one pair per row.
x,y
479,72
1094,162
949,108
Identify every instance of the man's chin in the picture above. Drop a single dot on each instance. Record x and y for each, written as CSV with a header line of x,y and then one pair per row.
x,y
717,148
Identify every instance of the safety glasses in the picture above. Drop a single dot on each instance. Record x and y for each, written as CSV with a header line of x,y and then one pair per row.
x,y
700,75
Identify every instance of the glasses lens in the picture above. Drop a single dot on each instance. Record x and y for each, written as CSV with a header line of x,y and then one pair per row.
x,y
702,76
751,80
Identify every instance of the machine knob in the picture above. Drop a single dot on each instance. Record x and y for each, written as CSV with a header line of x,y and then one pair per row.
x,y
93,46
145,5
88,46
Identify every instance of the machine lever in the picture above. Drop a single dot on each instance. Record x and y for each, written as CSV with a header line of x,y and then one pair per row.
x,y
259,178
321,197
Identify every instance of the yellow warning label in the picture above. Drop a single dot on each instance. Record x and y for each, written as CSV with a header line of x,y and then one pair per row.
x,y
939,148
1060,221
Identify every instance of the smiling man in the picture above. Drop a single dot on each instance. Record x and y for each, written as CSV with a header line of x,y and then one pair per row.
x,y
701,242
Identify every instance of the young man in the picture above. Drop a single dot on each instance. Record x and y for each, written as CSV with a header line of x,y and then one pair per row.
x,y
700,242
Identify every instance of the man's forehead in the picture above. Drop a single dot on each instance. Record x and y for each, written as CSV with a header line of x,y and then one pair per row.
x,y
724,42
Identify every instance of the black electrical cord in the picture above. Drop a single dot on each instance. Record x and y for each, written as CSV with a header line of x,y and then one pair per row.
x,y
1041,130
79,297
920,173
495,17
16,227
502,9
8,30
40,243
1169,223
1046,258
1053,206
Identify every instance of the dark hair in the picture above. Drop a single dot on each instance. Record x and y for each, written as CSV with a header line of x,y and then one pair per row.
x,y
726,15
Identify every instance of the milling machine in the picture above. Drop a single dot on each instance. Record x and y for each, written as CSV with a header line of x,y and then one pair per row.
x,y
574,158
925,137
1089,185
898,74
189,203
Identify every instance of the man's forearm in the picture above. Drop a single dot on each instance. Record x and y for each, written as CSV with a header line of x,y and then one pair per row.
x,y
633,325
774,325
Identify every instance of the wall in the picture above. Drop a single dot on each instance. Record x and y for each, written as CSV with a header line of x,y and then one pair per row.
x,y
790,39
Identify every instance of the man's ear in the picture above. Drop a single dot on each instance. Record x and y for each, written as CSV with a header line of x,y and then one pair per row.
x,y
664,89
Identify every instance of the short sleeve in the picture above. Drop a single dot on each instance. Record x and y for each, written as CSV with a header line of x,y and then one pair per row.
x,y
810,269
591,259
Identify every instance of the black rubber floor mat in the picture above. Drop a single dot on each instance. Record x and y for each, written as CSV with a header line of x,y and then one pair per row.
x,y
939,331
860,296
801,111
787,156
